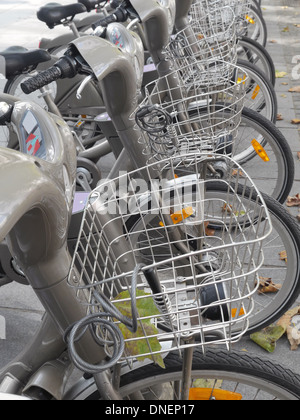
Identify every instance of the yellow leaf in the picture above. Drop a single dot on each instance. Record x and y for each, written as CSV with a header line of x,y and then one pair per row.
x,y
280,74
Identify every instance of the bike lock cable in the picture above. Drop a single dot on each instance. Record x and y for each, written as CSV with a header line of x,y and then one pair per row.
x,y
73,334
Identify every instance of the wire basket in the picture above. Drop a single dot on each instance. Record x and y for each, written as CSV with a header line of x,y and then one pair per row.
x,y
179,115
209,38
178,253
203,7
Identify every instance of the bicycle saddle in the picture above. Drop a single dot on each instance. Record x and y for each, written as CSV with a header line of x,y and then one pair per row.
x,y
54,14
19,59
90,4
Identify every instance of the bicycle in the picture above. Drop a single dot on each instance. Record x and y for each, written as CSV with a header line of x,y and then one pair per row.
x,y
52,295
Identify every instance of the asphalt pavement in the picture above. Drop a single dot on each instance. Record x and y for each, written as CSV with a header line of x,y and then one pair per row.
x,y
19,26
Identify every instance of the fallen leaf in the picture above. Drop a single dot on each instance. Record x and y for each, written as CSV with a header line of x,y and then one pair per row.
x,y
293,335
298,154
283,256
286,319
268,337
284,83
280,74
208,230
279,117
297,25
293,201
295,89
295,121
266,285
286,29
273,41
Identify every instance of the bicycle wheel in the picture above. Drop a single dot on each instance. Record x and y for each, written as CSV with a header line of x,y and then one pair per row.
x,y
281,265
254,26
250,50
260,94
215,375
264,153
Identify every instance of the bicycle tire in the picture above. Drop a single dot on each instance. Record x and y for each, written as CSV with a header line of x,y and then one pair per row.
x,y
248,367
260,93
256,54
251,370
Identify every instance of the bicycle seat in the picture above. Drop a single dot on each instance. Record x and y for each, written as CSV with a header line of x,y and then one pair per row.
x,y
54,14
90,4
19,59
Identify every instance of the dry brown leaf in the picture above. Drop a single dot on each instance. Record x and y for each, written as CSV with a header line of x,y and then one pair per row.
x,y
286,319
279,117
209,231
298,154
293,335
283,256
227,208
295,89
293,201
236,172
295,121
266,285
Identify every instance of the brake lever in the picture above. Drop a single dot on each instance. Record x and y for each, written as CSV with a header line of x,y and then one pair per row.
x,y
81,88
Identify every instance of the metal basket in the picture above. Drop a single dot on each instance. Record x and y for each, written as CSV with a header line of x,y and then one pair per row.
x,y
180,251
180,116
202,7
210,38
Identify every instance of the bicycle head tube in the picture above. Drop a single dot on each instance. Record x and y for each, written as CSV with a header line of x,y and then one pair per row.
x,y
182,12
156,22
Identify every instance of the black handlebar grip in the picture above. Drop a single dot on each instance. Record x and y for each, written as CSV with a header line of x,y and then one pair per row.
x,y
120,15
42,79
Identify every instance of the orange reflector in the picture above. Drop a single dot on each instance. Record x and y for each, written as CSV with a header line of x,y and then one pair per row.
x,y
206,394
180,216
240,80
256,92
260,151
234,312
250,20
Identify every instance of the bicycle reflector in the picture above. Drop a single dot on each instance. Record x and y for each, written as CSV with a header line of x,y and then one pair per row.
x,y
260,150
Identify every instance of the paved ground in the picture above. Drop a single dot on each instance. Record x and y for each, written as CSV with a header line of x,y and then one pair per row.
x,y
19,26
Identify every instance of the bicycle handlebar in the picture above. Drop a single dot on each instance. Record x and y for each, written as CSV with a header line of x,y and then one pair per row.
x,y
64,68
120,15
42,79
